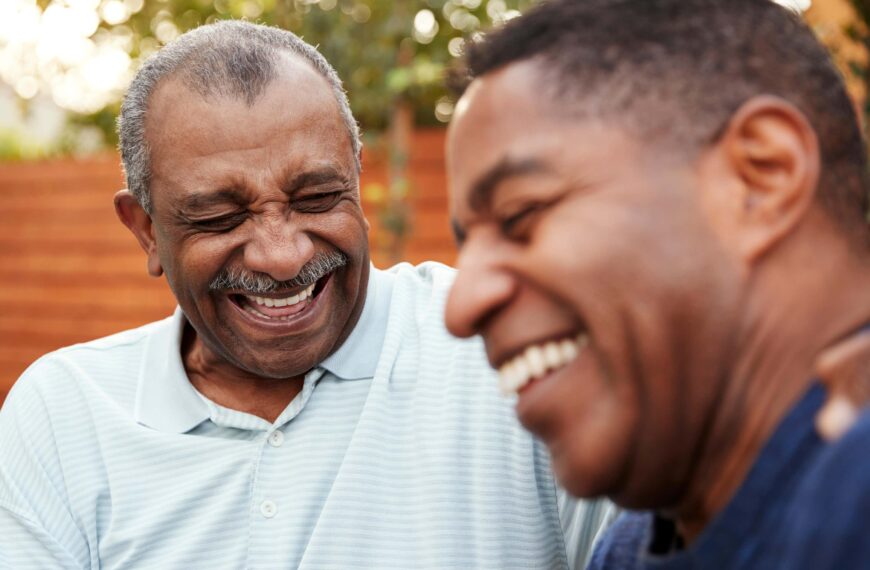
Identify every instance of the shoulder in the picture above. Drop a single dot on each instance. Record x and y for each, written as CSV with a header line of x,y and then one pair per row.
x,y
419,293
621,544
65,382
428,280
828,516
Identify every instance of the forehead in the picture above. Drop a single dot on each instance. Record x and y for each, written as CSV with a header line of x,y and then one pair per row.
x,y
508,125
296,119
500,106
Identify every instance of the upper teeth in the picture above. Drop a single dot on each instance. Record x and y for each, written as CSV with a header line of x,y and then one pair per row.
x,y
537,360
286,302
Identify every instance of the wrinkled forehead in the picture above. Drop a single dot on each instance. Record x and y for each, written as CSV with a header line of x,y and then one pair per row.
x,y
295,126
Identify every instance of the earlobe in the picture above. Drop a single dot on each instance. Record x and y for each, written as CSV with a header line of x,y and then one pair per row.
x,y
774,151
137,220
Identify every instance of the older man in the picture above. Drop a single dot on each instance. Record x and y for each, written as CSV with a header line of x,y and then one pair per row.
x,y
300,409
661,210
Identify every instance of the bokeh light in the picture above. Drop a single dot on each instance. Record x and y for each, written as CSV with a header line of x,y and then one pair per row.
x,y
425,26
59,52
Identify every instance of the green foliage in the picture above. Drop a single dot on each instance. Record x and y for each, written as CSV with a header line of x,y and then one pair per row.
x,y
372,43
14,147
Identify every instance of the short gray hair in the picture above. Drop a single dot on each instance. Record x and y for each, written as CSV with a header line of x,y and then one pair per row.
x,y
227,58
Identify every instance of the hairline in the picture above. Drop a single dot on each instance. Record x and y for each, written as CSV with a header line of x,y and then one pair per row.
x,y
168,64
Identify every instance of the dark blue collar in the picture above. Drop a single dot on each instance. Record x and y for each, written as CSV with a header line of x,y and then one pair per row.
x,y
771,480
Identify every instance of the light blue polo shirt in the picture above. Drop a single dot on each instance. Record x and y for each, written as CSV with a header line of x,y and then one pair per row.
x,y
398,453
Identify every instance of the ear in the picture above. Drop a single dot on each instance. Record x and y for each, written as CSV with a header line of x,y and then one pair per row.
x,y
138,221
774,152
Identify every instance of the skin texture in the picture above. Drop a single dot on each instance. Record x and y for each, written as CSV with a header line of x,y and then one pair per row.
x,y
686,269
260,189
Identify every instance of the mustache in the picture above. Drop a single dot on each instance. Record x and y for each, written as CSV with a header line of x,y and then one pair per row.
x,y
256,283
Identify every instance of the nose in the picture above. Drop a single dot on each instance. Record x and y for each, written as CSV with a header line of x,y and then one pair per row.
x,y
481,288
278,248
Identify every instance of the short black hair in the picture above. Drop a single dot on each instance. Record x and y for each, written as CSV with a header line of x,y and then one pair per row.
x,y
678,70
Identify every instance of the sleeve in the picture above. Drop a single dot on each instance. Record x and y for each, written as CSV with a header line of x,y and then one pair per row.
x,y
583,523
26,544
37,529
828,529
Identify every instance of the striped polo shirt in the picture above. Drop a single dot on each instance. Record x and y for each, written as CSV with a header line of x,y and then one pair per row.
x,y
398,453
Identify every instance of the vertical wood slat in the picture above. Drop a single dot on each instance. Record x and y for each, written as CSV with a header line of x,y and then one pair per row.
x,y
70,272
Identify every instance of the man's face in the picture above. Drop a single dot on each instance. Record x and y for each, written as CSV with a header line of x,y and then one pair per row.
x,y
590,261
247,198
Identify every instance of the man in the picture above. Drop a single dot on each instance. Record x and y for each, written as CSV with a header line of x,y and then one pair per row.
x,y
660,207
300,409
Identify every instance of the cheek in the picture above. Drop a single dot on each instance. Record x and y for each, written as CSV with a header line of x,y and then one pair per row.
x,y
345,228
192,264
594,444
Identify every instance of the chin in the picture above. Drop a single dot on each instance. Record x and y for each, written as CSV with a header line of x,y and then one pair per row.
x,y
282,367
585,485
590,475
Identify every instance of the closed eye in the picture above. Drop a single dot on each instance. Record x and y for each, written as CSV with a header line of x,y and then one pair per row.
x,y
218,224
316,203
518,226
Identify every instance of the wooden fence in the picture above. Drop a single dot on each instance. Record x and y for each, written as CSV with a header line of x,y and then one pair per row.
x,y
70,272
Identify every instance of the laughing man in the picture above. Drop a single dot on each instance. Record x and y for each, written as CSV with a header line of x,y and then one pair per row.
x,y
661,209
301,409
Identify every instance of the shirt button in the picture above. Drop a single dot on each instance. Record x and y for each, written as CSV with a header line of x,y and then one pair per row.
x,y
268,509
277,438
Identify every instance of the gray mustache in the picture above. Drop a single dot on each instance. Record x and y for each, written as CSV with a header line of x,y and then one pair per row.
x,y
255,283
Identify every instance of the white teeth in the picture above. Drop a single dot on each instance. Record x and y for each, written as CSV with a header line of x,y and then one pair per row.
x,y
569,349
286,302
552,355
537,360
521,375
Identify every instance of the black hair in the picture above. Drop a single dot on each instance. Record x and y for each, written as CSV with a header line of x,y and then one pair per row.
x,y
676,70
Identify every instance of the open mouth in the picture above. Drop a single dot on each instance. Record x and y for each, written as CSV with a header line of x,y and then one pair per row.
x,y
537,361
281,305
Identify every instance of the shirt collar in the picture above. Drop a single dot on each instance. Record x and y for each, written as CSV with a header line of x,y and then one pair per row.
x,y
166,400
358,357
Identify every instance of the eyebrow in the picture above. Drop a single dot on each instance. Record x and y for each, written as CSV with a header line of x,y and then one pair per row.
x,y
480,197
483,189
236,195
203,200
314,178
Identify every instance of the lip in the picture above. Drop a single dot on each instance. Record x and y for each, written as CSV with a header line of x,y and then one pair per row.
x,y
294,323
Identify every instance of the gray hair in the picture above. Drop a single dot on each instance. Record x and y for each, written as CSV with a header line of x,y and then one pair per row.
x,y
227,58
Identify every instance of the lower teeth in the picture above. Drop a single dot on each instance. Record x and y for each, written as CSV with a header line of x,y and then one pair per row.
x,y
257,313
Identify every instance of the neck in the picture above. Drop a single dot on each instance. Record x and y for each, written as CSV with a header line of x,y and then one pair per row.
x,y
232,387
793,318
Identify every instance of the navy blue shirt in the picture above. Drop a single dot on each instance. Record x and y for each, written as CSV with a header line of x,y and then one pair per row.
x,y
830,528
804,504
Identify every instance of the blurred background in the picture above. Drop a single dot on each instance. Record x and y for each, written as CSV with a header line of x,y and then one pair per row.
x,y
70,272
